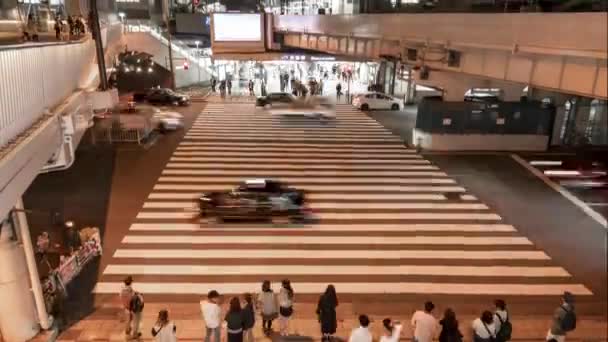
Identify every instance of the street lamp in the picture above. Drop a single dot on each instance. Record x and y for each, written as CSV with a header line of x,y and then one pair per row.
x,y
122,16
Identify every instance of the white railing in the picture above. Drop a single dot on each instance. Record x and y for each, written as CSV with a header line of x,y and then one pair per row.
x,y
35,79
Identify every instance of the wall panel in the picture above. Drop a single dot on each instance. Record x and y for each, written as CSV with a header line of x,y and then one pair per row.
x,y
579,74
601,84
547,72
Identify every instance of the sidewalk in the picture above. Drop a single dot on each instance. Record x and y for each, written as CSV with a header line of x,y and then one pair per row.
x,y
104,325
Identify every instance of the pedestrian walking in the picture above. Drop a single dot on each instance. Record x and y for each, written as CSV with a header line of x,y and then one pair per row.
x,y
392,331
449,327
71,24
223,89
248,318
136,308
484,329
338,91
212,314
57,28
164,330
362,333
234,321
326,312
424,324
502,322
126,293
286,298
564,319
251,85
229,85
268,306
213,83
58,314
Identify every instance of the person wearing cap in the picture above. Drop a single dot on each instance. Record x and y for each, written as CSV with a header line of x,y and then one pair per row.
x,y
561,317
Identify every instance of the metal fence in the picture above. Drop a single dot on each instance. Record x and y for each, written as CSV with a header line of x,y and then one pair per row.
x,y
123,129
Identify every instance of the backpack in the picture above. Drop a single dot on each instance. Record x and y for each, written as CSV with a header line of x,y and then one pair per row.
x,y
137,303
504,334
568,322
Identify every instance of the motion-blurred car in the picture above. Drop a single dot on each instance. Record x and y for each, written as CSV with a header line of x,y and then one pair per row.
x,y
314,107
255,199
164,96
275,100
375,100
167,121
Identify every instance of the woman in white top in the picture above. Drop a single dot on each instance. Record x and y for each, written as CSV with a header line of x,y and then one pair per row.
x,y
392,331
285,306
484,329
164,330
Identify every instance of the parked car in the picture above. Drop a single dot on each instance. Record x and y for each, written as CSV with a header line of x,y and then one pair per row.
x,y
376,100
165,96
255,199
167,121
275,100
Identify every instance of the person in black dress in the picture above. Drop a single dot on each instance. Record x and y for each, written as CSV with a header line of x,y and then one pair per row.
x,y
449,327
326,310
234,321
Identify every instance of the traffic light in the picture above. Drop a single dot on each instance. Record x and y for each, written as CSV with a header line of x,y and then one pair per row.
x,y
186,66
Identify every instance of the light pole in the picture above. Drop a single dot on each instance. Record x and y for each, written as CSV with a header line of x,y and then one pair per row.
x,y
198,61
122,16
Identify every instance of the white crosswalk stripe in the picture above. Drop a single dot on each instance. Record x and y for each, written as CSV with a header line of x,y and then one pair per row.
x,y
389,220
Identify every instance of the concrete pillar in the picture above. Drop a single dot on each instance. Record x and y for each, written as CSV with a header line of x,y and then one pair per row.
x,y
18,318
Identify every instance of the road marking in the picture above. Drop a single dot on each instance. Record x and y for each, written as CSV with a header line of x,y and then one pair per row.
x,y
504,288
396,188
417,227
289,137
384,146
295,149
467,197
584,207
317,196
311,180
347,205
597,204
345,216
546,162
248,166
330,240
327,254
312,155
287,159
338,270
269,174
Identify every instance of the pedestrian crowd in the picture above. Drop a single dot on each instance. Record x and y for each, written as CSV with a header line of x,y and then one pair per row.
x,y
72,27
239,321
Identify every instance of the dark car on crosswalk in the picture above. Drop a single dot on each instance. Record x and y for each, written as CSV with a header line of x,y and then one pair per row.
x,y
256,199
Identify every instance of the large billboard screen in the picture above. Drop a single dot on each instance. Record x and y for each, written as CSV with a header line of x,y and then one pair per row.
x,y
237,27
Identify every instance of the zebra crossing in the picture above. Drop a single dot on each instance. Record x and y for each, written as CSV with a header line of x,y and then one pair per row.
x,y
390,222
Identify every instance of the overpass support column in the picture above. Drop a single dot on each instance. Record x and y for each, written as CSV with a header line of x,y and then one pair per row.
x,y
18,316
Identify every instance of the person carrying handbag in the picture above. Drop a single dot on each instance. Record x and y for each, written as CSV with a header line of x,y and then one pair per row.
x,y
164,330
484,329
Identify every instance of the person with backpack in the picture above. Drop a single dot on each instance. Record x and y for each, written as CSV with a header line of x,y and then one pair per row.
x,y
484,329
502,322
164,330
248,318
136,308
564,319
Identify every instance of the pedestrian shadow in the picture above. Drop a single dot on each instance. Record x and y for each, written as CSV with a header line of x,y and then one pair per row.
x,y
301,338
